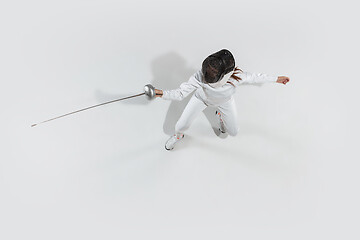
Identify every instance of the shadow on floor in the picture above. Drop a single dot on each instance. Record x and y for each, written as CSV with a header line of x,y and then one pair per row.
x,y
169,71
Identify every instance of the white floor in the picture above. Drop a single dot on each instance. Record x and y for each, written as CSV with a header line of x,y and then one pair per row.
x,y
291,173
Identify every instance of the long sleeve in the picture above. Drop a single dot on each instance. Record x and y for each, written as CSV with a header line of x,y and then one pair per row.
x,y
256,78
184,90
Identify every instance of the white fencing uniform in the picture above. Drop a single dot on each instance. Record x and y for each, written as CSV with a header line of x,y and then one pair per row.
x,y
205,95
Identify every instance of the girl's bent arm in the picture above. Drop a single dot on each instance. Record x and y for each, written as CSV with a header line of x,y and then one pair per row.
x,y
184,90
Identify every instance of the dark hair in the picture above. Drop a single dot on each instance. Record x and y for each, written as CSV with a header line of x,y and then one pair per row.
x,y
215,66
236,71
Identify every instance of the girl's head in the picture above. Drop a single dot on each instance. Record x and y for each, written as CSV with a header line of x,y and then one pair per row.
x,y
219,67
215,66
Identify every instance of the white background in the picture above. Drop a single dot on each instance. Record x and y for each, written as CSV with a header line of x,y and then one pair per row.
x,y
291,173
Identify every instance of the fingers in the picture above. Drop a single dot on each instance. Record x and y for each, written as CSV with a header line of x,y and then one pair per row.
x,y
285,80
158,93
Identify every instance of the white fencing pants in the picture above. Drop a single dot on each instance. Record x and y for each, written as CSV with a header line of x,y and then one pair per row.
x,y
196,105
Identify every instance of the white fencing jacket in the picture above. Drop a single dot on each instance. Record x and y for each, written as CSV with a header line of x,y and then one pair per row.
x,y
214,96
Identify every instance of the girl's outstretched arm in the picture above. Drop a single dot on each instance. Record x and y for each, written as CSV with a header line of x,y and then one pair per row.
x,y
256,78
260,78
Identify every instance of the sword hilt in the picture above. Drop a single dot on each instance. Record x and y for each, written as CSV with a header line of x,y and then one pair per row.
x,y
149,91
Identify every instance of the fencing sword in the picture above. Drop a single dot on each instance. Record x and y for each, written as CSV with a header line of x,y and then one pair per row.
x,y
149,92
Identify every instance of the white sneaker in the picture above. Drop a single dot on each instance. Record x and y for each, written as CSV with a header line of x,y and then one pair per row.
x,y
222,126
169,145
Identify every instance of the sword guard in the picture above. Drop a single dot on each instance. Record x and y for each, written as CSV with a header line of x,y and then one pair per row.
x,y
149,91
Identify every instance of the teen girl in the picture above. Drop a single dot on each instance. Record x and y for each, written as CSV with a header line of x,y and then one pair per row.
x,y
214,85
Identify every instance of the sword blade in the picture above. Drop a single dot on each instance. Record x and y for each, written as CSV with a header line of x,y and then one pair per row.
x,y
116,100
